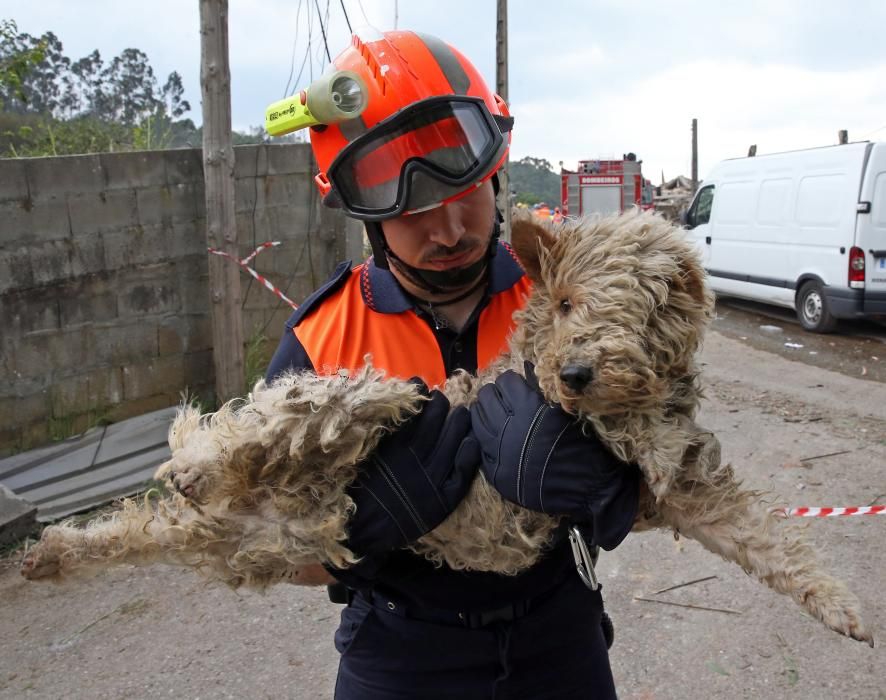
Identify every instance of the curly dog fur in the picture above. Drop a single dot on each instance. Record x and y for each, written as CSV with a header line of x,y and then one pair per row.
x,y
261,483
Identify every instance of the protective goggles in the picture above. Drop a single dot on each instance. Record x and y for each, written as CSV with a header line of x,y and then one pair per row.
x,y
418,158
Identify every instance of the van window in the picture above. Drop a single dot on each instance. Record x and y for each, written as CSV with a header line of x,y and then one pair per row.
x,y
818,200
735,202
772,204
700,213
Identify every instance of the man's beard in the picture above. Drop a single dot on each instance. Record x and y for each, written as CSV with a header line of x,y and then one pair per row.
x,y
455,278
465,245
452,280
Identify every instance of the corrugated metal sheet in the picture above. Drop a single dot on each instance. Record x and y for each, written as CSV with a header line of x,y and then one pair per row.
x,y
92,469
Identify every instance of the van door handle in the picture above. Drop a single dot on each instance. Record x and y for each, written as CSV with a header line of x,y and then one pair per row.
x,y
878,253
707,240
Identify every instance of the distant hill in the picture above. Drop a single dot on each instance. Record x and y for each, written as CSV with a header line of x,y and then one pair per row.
x,y
534,180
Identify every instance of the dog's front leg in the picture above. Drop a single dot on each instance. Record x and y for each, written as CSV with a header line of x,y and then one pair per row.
x,y
669,447
734,523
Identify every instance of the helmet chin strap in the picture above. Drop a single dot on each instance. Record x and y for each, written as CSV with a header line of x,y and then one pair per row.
x,y
439,281
433,281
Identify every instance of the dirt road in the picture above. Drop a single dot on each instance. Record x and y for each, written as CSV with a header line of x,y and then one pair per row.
x,y
163,633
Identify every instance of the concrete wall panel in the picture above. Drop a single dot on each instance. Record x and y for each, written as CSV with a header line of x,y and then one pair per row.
x,y
104,277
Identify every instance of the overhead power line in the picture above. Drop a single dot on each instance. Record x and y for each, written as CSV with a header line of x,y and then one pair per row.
x,y
350,31
363,12
322,29
294,45
873,132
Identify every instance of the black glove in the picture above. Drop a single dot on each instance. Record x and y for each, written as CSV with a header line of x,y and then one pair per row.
x,y
536,455
414,479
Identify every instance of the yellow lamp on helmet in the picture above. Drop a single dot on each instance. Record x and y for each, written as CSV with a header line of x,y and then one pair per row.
x,y
333,98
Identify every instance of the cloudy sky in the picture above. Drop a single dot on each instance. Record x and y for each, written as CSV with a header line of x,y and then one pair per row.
x,y
590,79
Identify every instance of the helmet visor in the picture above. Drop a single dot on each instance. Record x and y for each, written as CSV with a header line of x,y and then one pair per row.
x,y
417,158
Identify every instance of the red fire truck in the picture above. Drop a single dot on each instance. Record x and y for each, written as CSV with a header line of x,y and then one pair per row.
x,y
605,187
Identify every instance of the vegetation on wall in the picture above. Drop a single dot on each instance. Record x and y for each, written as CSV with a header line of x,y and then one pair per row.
x,y
51,104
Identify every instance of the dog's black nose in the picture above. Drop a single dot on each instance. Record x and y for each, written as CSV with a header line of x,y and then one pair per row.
x,y
576,377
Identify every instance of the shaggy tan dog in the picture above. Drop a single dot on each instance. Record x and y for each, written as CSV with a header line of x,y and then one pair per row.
x,y
261,483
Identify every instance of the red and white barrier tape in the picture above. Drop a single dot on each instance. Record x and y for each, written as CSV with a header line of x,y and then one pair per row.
x,y
812,512
263,246
243,263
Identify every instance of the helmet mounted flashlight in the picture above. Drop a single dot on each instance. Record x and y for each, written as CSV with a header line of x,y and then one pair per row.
x,y
333,98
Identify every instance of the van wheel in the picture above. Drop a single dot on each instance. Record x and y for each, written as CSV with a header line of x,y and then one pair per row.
x,y
812,309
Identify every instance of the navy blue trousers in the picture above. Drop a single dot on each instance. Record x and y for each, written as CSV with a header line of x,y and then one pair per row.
x,y
556,651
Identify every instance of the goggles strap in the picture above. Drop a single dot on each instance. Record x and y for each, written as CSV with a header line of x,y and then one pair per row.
x,y
504,124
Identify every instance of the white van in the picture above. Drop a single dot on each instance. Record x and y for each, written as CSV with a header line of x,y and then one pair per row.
x,y
802,229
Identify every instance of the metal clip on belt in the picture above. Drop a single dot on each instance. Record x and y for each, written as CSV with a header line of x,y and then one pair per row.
x,y
584,563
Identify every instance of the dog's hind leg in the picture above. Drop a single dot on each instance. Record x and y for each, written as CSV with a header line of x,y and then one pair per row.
x,y
65,549
501,537
137,534
734,523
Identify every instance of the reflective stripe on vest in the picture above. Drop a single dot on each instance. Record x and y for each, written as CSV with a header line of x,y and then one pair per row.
x,y
343,330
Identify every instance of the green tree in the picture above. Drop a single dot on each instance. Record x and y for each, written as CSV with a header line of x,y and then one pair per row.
x,y
533,180
16,61
51,105
129,93
172,95
84,85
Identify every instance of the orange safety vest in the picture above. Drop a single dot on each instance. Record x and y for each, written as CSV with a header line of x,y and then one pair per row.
x,y
344,329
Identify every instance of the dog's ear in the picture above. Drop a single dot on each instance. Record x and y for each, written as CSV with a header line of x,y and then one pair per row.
x,y
692,303
528,236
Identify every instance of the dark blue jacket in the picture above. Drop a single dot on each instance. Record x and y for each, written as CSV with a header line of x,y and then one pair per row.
x,y
406,576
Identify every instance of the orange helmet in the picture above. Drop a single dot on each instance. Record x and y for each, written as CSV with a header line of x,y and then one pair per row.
x,y
431,131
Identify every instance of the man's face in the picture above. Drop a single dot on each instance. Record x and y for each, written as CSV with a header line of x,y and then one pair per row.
x,y
445,238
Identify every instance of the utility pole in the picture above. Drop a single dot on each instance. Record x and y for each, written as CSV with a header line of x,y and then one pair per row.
x,y
694,155
218,178
501,87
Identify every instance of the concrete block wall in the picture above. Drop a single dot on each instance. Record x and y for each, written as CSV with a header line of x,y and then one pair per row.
x,y
104,310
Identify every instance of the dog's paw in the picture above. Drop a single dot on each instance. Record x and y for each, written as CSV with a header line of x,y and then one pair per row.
x,y
849,623
40,562
659,482
660,488
837,609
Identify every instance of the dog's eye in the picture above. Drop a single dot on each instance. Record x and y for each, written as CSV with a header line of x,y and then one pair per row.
x,y
565,306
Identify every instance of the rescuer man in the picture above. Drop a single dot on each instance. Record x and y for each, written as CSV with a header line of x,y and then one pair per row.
x,y
419,168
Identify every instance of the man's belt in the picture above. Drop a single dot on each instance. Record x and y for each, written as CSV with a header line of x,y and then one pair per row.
x,y
453,618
